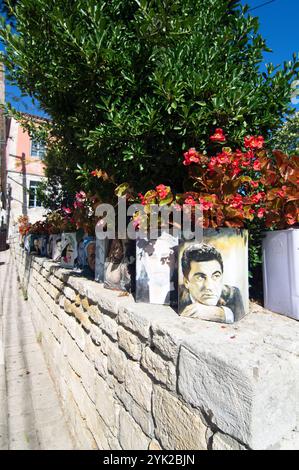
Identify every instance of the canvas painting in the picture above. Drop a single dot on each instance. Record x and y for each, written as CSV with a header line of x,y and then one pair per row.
x,y
33,243
42,245
69,252
156,270
101,251
55,247
27,243
213,276
82,261
119,265
90,254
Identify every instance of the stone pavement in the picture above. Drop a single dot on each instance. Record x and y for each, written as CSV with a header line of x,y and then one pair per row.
x,y
31,417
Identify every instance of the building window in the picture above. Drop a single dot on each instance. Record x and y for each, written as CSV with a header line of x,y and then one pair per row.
x,y
34,200
37,149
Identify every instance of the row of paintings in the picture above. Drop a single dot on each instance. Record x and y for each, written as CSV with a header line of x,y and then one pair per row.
x,y
206,280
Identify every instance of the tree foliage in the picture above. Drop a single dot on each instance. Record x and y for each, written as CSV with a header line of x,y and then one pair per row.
x,y
130,84
287,137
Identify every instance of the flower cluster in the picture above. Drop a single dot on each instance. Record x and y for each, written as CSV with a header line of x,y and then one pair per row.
x,y
41,227
234,187
24,225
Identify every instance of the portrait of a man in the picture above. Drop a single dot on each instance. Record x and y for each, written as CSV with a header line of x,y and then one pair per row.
x,y
203,293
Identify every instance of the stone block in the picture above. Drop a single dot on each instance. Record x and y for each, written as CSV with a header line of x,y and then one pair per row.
x,y
241,385
95,314
90,349
177,427
106,405
96,334
85,303
130,343
143,418
224,442
167,337
163,371
109,326
105,344
101,363
123,396
69,293
154,445
130,435
138,385
116,362
67,305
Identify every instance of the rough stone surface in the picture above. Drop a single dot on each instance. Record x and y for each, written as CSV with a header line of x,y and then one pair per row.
x,y
240,394
129,343
130,435
106,405
95,314
223,442
177,427
138,376
116,362
138,385
163,371
109,326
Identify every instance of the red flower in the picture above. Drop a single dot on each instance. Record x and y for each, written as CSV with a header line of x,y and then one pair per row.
x,y
250,154
223,158
246,162
192,156
254,184
282,191
162,191
142,199
257,197
78,204
261,212
254,142
80,196
94,173
236,202
257,165
218,136
190,201
212,163
67,210
205,204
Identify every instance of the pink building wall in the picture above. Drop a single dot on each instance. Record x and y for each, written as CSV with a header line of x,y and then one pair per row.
x,y
33,164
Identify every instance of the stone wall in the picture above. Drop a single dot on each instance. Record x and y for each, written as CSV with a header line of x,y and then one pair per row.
x,y
137,376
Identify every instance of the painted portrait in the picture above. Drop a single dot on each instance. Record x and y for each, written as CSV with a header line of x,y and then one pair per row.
x,y
56,247
156,270
27,240
42,245
101,252
119,265
82,253
90,254
213,276
69,250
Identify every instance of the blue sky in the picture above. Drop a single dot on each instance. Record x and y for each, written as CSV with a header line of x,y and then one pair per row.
x,y
278,25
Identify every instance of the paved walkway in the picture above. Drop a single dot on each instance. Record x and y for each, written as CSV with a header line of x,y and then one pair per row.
x,y
30,412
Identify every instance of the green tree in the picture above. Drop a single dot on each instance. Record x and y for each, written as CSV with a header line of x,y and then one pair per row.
x,y
130,84
287,137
